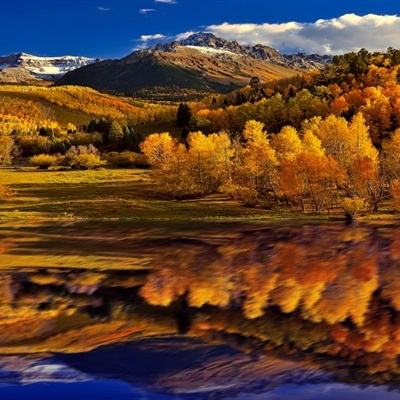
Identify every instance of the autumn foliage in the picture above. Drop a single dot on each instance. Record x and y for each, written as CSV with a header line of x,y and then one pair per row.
x,y
313,168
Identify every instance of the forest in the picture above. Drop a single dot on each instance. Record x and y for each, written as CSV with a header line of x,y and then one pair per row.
x,y
318,142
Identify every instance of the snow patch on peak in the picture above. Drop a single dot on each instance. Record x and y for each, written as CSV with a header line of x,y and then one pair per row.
x,y
212,51
44,67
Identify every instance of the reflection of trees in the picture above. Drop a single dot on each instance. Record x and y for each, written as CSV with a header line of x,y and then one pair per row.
x,y
330,279
322,291
342,281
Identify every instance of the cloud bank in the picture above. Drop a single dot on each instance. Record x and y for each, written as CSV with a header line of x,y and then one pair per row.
x,y
350,32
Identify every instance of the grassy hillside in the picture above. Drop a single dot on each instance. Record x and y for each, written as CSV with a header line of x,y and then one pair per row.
x,y
24,108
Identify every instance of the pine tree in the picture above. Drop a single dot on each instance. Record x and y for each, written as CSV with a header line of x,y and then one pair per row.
x,y
183,116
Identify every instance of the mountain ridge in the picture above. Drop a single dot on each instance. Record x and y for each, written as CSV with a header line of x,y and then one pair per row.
x,y
192,67
258,51
27,68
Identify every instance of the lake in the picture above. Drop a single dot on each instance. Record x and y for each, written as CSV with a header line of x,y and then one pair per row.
x,y
207,311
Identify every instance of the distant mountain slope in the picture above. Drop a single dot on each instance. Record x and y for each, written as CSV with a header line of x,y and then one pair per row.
x,y
24,68
199,64
24,109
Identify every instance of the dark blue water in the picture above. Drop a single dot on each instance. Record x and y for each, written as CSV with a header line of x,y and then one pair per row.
x,y
173,368
117,390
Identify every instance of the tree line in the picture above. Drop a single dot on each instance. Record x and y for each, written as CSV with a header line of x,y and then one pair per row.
x,y
327,163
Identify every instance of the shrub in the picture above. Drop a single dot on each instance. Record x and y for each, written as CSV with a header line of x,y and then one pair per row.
x,y
352,206
45,161
7,150
247,196
127,159
85,139
84,157
32,145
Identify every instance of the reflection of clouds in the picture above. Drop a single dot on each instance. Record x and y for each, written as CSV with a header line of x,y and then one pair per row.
x,y
27,371
51,372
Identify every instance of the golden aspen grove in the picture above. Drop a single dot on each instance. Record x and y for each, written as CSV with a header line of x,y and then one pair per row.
x,y
313,144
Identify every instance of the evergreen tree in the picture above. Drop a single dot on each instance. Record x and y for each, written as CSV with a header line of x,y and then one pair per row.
x,y
183,116
115,133
132,139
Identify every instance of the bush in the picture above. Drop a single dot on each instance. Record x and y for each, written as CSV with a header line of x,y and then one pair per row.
x,y
84,157
33,145
127,159
352,206
45,161
7,150
247,196
85,139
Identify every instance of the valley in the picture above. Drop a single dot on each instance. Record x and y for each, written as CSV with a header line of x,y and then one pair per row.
x,y
198,215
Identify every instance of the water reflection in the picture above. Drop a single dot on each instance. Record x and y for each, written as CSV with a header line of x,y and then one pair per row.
x,y
219,314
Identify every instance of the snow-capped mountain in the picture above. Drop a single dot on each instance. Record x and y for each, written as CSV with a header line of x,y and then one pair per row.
x,y
24,65
207,40
198,65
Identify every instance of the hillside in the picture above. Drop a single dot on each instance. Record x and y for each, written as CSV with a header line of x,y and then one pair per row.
x,y
200,64
25,108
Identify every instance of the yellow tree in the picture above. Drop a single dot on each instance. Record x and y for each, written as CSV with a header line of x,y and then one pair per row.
x,y
334,134
210,158
360,141
287,143
258,159
366,181
159,148
311,144
391,160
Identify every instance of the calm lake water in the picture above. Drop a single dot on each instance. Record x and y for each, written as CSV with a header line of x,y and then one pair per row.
x,y
202,312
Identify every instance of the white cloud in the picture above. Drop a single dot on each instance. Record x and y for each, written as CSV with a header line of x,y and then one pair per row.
x,y
146,11
156,36
184,35
166,1
325,36
104,9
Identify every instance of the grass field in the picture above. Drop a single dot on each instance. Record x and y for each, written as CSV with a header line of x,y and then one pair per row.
x,y
123,194
96,219
92,219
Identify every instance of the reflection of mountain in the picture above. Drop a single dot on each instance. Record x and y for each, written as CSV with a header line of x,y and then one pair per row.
x,y
179,365
184,368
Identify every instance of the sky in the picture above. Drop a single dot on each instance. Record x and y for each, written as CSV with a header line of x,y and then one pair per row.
x,y
114,28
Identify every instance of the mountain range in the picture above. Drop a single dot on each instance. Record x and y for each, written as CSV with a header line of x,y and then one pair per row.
x,y
22,68
197,65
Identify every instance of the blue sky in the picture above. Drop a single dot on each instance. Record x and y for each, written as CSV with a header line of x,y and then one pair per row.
x,y
110,28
